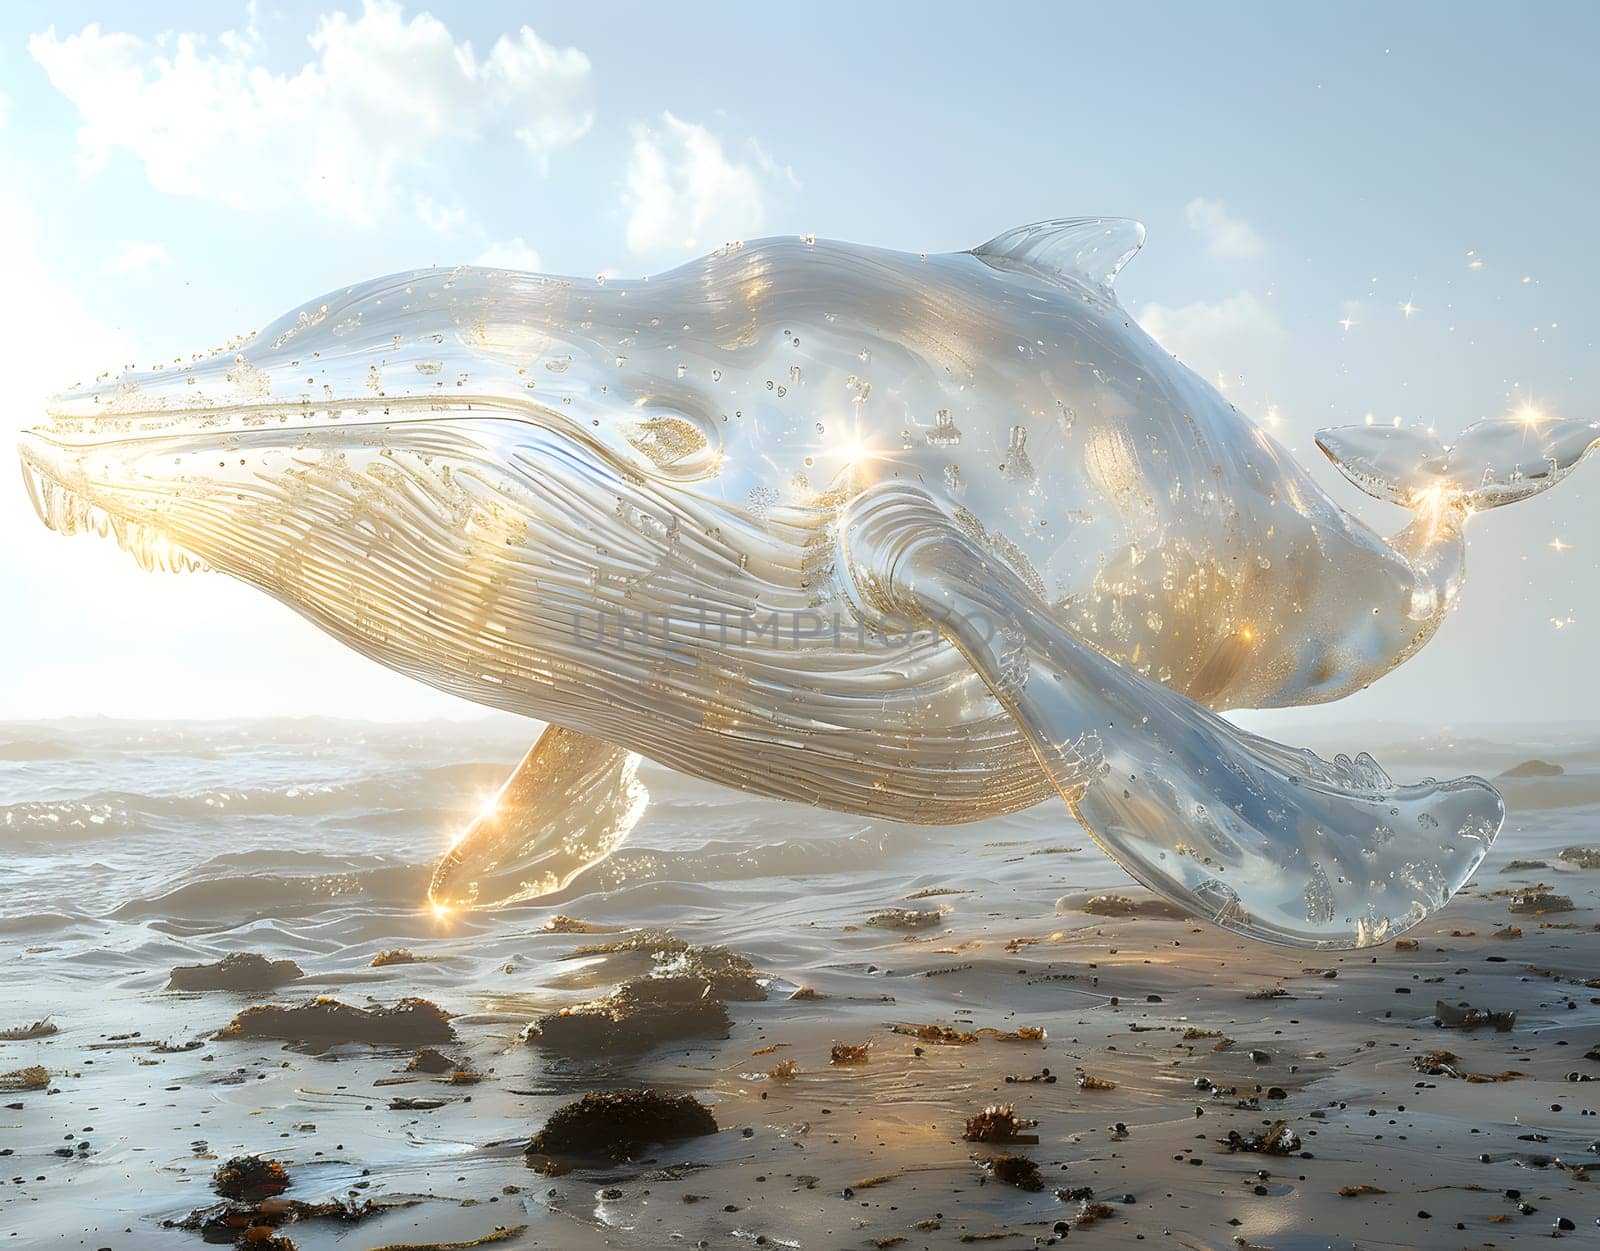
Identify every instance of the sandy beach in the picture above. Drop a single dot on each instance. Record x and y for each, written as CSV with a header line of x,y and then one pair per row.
x,y
1190,1089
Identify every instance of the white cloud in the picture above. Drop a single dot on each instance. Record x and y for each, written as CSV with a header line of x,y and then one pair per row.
x,y
1228,238
136,258
683,193
381,100
444,219
1218,340
509,254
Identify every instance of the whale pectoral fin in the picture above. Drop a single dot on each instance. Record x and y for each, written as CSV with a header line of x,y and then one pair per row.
x,y
1257,837
569,804
1493,462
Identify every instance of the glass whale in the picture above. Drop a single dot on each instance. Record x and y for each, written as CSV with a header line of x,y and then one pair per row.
x,y
930,538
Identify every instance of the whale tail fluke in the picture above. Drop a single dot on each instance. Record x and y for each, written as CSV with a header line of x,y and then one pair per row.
x,y
1493,462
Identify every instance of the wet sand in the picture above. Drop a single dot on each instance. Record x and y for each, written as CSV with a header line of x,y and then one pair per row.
x,y
1189,1035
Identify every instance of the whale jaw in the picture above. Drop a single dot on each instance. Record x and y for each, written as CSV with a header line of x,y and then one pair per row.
x,y
409,537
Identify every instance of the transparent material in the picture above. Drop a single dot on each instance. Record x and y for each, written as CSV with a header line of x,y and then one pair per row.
x,y
569,804
620,506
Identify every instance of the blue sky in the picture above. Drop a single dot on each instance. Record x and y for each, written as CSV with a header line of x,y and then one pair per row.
x,y
173,173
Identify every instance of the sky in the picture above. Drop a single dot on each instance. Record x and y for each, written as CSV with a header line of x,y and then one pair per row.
x,y
1353,209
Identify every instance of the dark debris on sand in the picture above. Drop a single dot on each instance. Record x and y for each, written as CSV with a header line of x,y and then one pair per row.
x,y
618,1123
732,977
999,1122
634,1017
264,1238
905,918
1125,906
1449,1016
251,1178
429,1060
1015,1170
254,1208
395,955
243,970
1539,903
849,1053
1448,1064
23,1033
1582,857
250,1223
326,1022
559,924
1276,1139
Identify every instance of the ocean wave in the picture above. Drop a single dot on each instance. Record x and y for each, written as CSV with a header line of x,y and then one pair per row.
x,y
451,790
37,922
273,894
24,749
713,861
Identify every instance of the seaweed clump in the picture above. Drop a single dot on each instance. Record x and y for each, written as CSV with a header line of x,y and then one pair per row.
x,y
242,970
559,924
946,1034
1126,906
905,918
999,1122
1448,1016
636,1016
620,1122
731,976
250,1178
327,1022
1015,1170
42,1028
849,1053
1538,903
395,955
430,1060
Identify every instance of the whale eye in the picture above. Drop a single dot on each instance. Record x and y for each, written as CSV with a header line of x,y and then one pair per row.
x,y
676,446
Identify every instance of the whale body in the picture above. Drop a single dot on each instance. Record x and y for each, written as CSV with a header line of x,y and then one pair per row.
x,y
930,538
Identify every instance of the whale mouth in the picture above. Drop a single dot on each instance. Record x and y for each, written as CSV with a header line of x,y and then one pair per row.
x,y
165,480
69,504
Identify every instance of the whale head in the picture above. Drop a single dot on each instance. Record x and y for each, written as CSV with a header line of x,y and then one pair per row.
x,y
427,466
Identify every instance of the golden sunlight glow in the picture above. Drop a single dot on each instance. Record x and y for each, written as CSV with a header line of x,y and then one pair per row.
x,y
1247,634
856,452
1529,415
848,447
1557,546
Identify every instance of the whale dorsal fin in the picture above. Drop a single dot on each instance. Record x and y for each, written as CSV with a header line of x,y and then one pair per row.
x,y
1086,250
